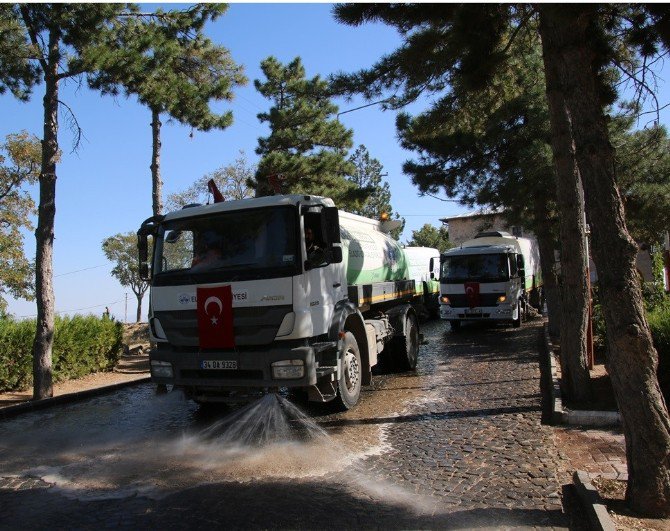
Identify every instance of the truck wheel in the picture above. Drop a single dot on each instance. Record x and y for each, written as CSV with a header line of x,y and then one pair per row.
x,y
349,384
455,325
407,350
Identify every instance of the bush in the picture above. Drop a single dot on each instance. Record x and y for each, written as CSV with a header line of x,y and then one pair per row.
x,y
82,345
659,324
658,316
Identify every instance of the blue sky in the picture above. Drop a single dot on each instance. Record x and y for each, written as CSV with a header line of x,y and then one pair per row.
x,y
105,187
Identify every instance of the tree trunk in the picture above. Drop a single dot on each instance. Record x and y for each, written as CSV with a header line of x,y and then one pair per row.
x,y
44,235
139,306
156,183
632,358
574,294
546,245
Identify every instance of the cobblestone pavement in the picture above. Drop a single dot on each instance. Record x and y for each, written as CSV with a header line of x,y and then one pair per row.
x,y
459,444
599,452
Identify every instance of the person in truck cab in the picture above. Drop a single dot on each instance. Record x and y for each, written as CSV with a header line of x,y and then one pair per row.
x,y
315,254
208,252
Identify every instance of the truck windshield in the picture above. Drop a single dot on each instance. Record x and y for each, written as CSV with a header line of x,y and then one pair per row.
x,y
475,267
237,245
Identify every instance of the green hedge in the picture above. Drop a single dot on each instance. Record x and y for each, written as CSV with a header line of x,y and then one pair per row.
x,y
82,345
659,324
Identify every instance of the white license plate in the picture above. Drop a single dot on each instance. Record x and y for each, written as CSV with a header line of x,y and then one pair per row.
x,y
218,364
473,311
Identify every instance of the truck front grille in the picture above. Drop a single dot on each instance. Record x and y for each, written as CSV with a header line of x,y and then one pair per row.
x,y
221,375
252,326
460,300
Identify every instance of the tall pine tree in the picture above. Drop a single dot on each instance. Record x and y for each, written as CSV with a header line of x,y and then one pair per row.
x,y
58,35
307,147
164,59
466,43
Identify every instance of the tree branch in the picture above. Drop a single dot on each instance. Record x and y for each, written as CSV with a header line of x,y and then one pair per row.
x,y
32,32
74,126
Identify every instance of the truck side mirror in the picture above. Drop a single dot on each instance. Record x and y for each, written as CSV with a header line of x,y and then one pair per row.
x,y
331,218
335,255
143,254
520,265
431,268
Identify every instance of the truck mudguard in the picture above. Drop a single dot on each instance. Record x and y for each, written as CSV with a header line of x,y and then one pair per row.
x,y
398,317
347,317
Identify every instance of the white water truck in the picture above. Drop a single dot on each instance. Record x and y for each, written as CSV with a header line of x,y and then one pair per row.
x,y
493,277
424,268
240,304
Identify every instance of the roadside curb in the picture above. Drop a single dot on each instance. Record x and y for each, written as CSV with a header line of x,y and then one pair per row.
x,y
37,405
562,415
599,518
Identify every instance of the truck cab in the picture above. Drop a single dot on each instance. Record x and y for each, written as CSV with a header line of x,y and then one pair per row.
x,y
241,302
489,278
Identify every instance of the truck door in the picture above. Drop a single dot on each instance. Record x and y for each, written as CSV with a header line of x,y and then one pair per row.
x,y
323,283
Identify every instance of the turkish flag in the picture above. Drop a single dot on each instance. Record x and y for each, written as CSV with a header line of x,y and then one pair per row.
x,y
472,293
215,317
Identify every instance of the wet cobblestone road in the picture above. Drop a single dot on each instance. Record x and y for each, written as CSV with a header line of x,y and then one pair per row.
x,y
458,444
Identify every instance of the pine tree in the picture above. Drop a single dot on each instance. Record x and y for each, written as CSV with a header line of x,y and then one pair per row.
x,y
490,147
367,176
57,34
165,60
306,149
464,45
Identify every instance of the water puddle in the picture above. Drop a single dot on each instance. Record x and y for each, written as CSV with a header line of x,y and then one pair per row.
x,y
117,452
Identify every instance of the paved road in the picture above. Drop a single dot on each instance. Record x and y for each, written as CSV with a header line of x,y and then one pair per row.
x,y
459,444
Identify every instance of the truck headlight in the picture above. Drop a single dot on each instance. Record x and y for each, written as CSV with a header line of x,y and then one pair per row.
x,y
157,328
288,369
444,299
502,298
161,369
287,325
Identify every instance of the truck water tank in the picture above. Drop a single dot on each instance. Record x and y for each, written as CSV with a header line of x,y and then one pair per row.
x,y
370,255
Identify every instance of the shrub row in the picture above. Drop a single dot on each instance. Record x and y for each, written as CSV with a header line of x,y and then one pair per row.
x,y
82,345
659,325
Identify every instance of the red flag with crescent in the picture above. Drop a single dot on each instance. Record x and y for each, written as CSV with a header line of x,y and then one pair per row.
x,y
215,317
472,294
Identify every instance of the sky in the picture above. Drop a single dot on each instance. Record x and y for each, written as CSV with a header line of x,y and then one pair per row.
x,y
104,188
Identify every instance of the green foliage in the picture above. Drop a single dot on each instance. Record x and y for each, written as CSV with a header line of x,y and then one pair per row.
x,y
429,236
367,176
82,345
306,149
659,324
232,181
122,250
20,157
653,292
166,61
643,166
16,73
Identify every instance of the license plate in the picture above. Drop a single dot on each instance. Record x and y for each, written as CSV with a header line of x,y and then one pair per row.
x,y
218,364
473,311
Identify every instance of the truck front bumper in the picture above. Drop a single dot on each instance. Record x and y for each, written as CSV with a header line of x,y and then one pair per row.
x,y
274,366
503,312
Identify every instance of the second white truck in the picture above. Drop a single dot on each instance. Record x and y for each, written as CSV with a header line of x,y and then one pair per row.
x,y
493,277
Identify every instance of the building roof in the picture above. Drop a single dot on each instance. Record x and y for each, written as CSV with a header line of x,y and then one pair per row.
x,y
467,215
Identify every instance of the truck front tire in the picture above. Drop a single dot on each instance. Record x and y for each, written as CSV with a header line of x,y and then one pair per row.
x,y
349,383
